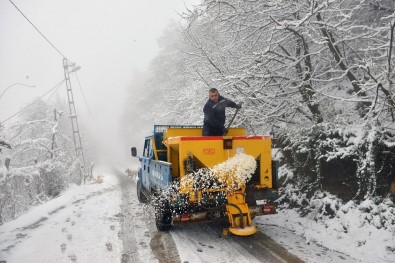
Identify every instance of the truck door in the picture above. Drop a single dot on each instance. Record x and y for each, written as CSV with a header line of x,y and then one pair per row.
x,y
145,162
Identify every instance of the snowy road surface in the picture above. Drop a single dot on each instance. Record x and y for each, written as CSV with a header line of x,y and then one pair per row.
x,y
79,226
106,223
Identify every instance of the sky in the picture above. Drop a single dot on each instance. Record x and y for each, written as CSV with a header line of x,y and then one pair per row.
x,y
82,225
109,40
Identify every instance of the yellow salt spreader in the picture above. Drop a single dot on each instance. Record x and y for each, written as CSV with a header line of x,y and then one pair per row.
x,y
193,178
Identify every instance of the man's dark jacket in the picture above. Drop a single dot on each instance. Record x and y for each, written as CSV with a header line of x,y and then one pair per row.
x,y
214,116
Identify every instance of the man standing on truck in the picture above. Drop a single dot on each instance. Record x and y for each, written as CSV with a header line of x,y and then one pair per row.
x,y
214,113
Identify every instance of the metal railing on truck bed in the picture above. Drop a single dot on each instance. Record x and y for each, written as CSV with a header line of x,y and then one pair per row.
x,y
160,150
163,132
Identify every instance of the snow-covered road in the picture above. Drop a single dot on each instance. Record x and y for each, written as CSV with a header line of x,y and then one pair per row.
x,y
105,223
81,225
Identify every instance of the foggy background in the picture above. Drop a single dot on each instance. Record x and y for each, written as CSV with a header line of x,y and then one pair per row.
x,y
111,41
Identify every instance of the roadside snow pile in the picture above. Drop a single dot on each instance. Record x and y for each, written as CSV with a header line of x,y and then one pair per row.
x,y
364,230
231,174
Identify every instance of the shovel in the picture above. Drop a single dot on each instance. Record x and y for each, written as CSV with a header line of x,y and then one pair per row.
x,y
231,121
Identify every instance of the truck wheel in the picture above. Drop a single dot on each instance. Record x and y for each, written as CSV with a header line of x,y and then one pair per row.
x,y
163,218
140,194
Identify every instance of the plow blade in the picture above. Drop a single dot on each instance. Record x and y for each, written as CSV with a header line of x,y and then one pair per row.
x,y
239,214
245,231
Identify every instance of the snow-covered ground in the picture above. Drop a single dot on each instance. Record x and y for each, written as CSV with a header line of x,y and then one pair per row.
x,y
82,225
362,243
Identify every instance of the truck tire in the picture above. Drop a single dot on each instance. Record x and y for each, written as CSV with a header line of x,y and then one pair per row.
x,y
163,217
142,198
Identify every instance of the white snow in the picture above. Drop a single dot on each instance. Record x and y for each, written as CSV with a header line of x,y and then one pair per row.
x,y
80,225
364,243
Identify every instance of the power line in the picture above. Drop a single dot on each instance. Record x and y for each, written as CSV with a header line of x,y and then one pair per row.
x,y
53,88
53,93
1,95
83,95
38,30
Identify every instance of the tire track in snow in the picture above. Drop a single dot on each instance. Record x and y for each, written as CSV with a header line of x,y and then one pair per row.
x,y
308,250
141,241
260,244
204,242
164,247
128,233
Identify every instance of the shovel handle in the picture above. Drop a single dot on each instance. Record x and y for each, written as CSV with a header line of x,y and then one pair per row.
x,y
230,123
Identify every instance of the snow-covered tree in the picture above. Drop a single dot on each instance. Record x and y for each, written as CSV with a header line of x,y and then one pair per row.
x,y
43,160
317,74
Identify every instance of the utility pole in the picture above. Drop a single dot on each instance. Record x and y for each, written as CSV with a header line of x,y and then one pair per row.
x,y
73,116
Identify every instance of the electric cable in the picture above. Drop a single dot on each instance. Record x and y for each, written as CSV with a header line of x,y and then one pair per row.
x,y
30,86
24,108
38,30
53,93
83,95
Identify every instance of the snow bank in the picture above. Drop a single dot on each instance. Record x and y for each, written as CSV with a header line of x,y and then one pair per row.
x,y
348,232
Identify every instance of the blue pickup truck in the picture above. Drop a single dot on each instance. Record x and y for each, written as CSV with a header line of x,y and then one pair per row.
x,y
176,158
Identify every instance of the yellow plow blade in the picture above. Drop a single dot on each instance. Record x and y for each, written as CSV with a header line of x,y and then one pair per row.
x,y
239,215
245,231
